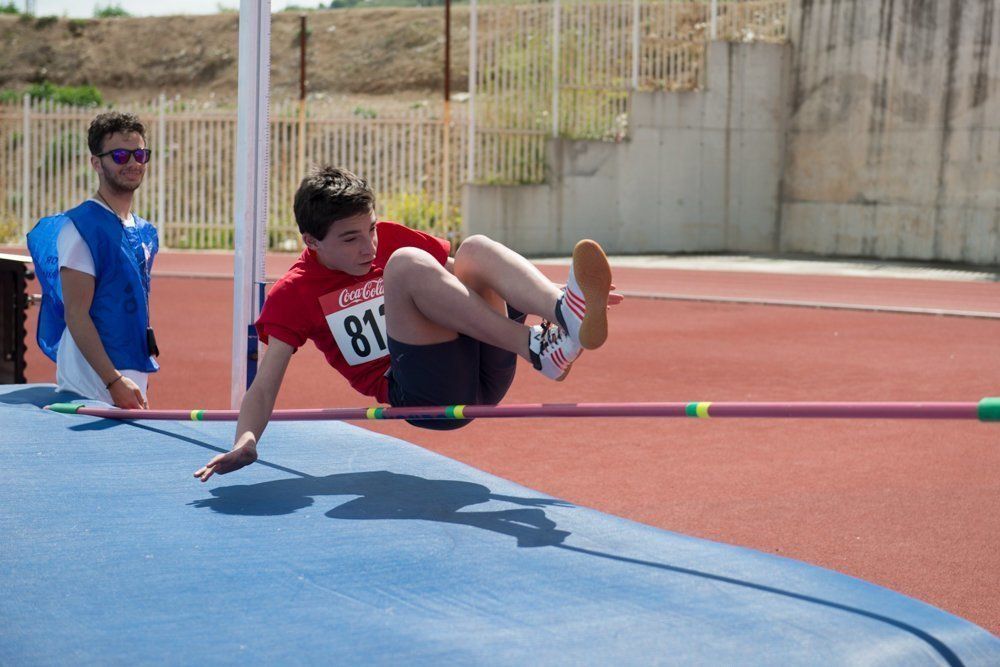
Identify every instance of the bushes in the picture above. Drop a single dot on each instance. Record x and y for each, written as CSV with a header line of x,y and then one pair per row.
x,y
10,231
420,211
76,96
110,12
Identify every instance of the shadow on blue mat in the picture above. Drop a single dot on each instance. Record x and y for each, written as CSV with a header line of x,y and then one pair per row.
x,y
384,495
388,495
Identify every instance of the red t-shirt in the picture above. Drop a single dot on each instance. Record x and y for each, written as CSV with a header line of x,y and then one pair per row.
x,y
343,315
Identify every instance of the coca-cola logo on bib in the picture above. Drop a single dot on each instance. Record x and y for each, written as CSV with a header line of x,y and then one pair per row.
x,y
370,290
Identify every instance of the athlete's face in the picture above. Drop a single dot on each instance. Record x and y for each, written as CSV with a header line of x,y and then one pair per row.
x,y
120,178
349,246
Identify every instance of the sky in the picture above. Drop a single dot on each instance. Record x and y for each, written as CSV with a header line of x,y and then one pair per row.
x,y
85,8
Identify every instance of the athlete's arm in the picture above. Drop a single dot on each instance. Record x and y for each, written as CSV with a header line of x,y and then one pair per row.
x,y
255,412
78,296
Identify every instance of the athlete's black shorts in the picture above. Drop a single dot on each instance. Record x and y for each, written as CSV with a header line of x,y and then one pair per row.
x,y
463,371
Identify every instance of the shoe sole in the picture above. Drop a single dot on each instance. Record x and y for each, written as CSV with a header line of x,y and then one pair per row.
x,y
593,275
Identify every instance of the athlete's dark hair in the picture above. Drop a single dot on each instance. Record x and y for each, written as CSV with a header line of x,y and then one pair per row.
x,y
107,124
329,194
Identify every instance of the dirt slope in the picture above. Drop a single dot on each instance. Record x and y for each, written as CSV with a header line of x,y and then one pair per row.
x,y
351,52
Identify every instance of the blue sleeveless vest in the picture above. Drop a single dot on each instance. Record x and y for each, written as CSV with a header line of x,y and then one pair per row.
x,y
120,309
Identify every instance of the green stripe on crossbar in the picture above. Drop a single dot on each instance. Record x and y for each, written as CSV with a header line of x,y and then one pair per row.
x,y
989,409
699,409
65,408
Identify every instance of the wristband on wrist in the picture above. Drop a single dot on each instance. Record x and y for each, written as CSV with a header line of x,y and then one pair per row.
x,y
108,385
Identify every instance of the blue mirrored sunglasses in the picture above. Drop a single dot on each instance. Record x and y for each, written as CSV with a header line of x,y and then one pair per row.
x,y
122,155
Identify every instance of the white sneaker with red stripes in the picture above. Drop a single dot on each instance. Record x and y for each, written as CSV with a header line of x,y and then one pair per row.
x,y
552,350
582,310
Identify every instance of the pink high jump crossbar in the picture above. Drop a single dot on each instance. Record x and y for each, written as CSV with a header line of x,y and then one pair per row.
x,y
987,410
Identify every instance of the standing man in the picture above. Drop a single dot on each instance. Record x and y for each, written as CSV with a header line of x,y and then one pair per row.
x,y
94,263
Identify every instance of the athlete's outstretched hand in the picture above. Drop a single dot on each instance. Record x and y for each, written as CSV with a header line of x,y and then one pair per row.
x,y
240,457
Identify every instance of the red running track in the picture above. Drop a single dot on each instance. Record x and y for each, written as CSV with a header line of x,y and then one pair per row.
x,y
914,506
695,284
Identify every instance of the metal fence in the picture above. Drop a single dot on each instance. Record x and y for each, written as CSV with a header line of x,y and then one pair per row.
x,y
567,67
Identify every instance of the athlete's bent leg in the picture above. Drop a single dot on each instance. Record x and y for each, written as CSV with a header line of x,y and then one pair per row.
x,y
425,305
494,270
497,272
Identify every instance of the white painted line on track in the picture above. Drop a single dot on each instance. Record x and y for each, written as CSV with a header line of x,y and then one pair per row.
x,y
906,310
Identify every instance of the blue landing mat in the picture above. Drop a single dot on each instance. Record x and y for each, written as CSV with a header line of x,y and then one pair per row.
x,y
346,547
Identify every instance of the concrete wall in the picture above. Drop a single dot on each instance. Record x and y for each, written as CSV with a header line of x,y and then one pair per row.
x,y
894,130
876,133
701,171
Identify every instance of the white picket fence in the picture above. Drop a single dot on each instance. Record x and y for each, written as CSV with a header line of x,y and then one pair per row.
x,y
188,191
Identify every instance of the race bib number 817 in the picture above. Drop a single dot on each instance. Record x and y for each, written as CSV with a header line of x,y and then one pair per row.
x,y
356,317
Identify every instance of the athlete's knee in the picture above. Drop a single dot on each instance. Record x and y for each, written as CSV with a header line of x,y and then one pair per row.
x,y
406,264
474,246
473,255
